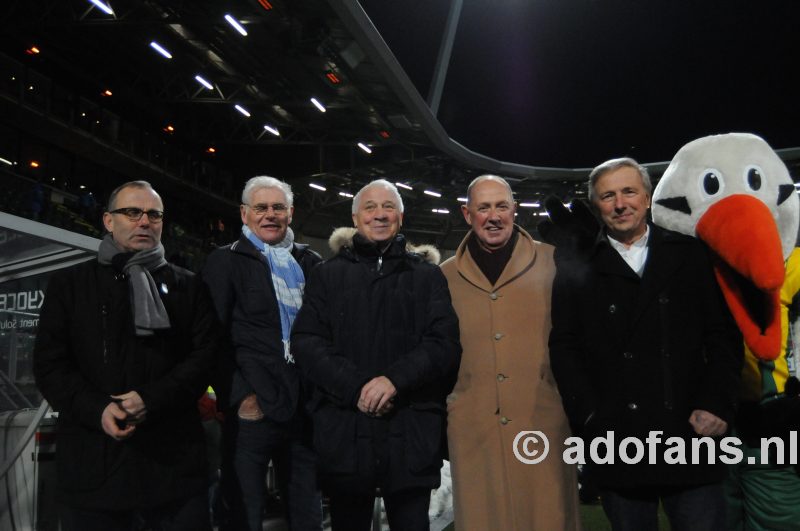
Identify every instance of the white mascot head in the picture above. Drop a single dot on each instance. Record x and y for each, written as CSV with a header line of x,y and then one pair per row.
x,y
733,192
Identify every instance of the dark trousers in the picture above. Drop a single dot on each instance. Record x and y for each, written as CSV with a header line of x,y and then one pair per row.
x,y
250,445
696,508
190,514
406,510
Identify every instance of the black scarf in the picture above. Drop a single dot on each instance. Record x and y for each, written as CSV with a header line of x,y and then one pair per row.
x,y
491,263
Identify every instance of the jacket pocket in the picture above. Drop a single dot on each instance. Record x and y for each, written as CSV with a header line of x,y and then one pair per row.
x,y
256,300
335,439
81,459
424,437
177,449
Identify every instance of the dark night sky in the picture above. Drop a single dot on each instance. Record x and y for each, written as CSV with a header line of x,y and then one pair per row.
x,y
574,82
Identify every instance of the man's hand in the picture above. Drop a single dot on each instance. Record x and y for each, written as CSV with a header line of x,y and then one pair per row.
x,y
249,409
376,396
132,404
705,423
111,415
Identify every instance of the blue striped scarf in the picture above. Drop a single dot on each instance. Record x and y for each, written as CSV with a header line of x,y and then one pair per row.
x,y
287,279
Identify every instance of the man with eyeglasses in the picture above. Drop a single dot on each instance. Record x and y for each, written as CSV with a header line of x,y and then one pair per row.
x,y
257,285
125,348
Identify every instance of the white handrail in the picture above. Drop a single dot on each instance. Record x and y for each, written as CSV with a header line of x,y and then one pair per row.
x,y
23,442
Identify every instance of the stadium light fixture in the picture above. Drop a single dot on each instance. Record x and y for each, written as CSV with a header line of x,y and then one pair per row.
x,y
235,23
160,49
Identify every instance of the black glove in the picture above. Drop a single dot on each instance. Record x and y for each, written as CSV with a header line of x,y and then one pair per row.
x,y
572,232
774,418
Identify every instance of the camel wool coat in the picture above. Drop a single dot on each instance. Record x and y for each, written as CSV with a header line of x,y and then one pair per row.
x,y
505,386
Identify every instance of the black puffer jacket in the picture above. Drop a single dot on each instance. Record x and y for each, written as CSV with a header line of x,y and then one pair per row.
x,y
252,358
86,350
367,314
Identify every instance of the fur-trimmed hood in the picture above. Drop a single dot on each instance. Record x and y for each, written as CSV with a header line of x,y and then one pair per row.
x,y
343,237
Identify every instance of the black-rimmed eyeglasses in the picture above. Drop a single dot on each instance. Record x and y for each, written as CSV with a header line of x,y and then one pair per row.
x,y
135,214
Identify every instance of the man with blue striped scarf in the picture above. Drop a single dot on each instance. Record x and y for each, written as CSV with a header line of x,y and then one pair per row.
x,y
257,284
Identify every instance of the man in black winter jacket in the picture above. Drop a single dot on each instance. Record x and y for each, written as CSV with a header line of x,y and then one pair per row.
x,y
257,285
124,351
378,336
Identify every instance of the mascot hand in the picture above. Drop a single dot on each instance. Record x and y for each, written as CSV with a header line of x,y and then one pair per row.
x,y
572,233
774,418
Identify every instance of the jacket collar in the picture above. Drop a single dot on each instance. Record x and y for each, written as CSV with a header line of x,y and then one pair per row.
x,y
363,247
609,262
658,237
244,246
522,259
341,242
662,262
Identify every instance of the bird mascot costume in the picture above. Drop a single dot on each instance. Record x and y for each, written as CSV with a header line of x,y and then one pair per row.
x,y
734,193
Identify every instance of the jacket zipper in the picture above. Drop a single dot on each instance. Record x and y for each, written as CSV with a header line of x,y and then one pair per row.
x,y
104,311
380,263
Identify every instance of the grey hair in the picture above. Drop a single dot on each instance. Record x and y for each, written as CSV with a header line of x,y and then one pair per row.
x,y
383,183
488,177
265,181
112,198
615,164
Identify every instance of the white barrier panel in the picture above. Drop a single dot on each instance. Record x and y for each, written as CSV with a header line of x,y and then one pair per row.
x,y
27,492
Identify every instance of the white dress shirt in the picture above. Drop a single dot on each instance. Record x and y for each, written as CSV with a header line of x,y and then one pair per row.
x,y
634,255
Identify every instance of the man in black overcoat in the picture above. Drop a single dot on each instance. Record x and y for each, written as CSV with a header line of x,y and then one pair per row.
x,y
643,345
125,348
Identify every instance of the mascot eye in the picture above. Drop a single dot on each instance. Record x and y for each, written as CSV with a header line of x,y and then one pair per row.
x,y
753,177
711,182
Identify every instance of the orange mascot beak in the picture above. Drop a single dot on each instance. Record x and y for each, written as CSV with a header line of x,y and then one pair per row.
x,y
749,267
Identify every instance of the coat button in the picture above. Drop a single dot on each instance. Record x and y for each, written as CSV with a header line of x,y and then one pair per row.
x,y
504,421
663,299
501,377
612,309
667,405
633,406
627,355
498,336
493,296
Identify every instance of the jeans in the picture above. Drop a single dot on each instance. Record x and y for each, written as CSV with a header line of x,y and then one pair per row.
x,y
693,508
250,445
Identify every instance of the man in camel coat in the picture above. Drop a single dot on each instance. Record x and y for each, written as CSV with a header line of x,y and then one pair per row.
x,y
500,281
